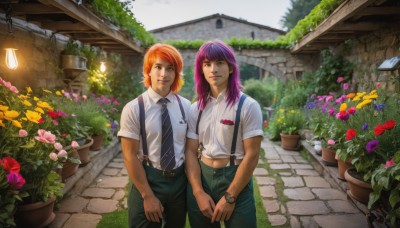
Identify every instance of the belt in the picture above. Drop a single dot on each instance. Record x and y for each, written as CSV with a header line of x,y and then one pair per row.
x,y
167,173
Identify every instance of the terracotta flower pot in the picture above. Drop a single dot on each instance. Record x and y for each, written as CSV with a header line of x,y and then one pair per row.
x,y
97,142
69,168
358,189
83,152
35,215
342,167
328,156
290,142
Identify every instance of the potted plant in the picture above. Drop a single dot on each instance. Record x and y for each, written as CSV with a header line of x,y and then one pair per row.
x,y
73,61
290,122
25,136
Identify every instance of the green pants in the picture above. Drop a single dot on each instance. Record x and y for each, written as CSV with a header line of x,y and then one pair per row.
x,y
215,182
171,191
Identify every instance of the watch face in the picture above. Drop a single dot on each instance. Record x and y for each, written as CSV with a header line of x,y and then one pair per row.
x,y
229,198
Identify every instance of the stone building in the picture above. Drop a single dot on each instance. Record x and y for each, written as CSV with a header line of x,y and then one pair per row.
x,y
216,26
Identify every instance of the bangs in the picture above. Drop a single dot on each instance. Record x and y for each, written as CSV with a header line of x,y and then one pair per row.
x,y
212,52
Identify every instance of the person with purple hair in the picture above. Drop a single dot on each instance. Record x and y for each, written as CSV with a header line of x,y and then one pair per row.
x,y
223,143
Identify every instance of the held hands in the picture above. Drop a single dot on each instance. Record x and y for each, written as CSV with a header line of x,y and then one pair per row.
x,y
153,208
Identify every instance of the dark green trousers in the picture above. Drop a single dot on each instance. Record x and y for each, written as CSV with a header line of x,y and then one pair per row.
x,y
215,182
171,191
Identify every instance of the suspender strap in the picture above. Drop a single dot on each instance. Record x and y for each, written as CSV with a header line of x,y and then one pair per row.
x,y
142,117
181,107
236,129
198,121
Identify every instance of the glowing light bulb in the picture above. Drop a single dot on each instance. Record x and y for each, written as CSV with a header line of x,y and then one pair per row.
x,y
102,66
11,58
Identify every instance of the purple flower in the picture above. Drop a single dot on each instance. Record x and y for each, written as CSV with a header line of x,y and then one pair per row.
x,y
372,146
365,126
379,106
331,111
15,180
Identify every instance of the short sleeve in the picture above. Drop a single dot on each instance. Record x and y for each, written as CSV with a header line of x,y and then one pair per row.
x,y
130,125
252,119
192,122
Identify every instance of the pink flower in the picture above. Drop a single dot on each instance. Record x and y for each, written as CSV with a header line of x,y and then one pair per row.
x,y
74,144
58,146
331,142
390,163
62,154
53,156
84,97
15,180
340,79
227,122
55,122
45,136
346,86
23,133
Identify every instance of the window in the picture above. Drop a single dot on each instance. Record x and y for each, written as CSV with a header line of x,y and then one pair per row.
x,y
218,24
252,35
299,75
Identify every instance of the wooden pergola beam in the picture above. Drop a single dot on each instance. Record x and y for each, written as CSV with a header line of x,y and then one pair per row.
x,y
85,16
343,12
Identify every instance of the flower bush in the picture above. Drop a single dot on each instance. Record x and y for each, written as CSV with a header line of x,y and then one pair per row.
x,y
11,181
28,135
287,121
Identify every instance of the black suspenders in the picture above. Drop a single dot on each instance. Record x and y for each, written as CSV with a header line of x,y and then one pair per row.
x,y
142,117
235,130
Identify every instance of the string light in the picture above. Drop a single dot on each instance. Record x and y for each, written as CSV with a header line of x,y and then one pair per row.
x,y
102,66
9,44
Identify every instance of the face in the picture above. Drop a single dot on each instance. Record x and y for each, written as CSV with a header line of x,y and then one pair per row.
x,y
162,76
216,73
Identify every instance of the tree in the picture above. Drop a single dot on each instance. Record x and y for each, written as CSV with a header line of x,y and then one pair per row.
x,y
298,10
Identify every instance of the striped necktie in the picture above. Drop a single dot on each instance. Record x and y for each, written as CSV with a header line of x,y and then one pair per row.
x,y
167,142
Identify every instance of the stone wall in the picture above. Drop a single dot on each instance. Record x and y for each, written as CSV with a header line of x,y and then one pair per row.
x,y
39,57
206,29
367,53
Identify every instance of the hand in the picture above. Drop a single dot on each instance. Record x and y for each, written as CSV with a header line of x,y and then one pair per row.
x,y
223,211
153,208
206,204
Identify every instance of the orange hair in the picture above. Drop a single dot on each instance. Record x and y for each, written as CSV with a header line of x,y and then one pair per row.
x,y
167,53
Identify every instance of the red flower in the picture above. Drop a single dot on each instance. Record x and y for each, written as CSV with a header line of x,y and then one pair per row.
x,y
389,124
227,122
63,135
11,165
53,114
265,123
41,120
379,129
352,110
350,134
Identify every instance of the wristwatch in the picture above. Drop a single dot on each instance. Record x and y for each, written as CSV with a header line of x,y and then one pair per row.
x,y
229,199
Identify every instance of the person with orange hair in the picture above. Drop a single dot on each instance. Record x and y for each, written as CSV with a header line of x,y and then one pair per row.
x,y
153,136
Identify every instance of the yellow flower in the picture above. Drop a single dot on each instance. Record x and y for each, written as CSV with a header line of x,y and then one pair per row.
x,y
23,97
47,91
364,103
35,98
2,124
37,109
3,108
33,116
281,110
343,107
17,123
58,93
1,116
108,125
28,89
44,104
27,103
370,96
9,115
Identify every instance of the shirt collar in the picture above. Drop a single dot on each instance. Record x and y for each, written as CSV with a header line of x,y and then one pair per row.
x,y
221,96
155,97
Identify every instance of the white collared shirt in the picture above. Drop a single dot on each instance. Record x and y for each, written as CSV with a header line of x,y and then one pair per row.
x,y
130,125
215,136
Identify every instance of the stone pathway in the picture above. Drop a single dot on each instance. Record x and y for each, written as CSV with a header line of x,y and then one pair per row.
x,y
305,198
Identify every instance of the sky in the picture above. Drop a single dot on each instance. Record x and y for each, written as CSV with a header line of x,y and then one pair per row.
x,y
155,14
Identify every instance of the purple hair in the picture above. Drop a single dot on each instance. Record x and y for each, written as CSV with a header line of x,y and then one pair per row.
x,y
213,51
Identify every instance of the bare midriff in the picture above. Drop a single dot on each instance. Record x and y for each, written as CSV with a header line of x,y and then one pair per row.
x,y
218,162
